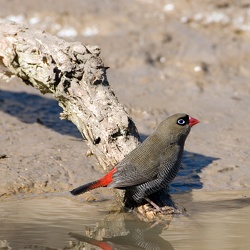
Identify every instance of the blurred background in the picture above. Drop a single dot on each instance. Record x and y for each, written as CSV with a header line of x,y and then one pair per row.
x,y
165,57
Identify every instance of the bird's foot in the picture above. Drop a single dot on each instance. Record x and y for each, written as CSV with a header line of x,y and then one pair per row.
x,y
149,213
158,209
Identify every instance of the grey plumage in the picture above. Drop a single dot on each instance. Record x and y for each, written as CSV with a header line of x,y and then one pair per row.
x,y
152,165
155,162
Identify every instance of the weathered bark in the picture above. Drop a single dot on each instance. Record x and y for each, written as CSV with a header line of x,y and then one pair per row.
x,y
76,76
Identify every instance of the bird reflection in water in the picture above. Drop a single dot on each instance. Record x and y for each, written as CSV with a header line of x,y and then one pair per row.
x,y
126,233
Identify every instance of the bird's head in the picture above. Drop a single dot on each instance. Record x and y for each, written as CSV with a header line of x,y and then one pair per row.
x,y
176,128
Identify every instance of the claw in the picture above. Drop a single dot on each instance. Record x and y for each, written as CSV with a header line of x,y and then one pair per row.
x,y
158,209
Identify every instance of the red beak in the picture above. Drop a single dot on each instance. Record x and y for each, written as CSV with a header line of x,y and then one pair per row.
x,y
192,121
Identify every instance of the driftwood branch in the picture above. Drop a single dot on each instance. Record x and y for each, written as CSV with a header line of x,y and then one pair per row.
x,y
76,77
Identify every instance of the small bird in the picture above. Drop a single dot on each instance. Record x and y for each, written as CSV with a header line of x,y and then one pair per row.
x,y
152,165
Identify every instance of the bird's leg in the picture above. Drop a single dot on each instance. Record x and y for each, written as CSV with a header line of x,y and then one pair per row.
x,y
158,209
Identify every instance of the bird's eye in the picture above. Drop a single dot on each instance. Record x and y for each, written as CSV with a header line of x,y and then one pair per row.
x,y
181,121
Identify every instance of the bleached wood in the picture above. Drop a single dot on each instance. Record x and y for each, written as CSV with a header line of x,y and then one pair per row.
x,y
75,75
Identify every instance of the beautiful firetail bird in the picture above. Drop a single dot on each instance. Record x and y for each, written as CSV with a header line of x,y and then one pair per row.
x,y
152,165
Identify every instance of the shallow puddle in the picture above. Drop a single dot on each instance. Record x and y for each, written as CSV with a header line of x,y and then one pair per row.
x,y
216,220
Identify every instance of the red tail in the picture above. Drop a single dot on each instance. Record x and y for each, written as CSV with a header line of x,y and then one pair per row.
x,y
103,182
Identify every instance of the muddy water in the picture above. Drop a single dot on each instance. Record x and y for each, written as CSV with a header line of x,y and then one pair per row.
x,y
215,221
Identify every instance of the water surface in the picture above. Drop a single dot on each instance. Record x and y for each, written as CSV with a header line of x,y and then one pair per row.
x,y
216,220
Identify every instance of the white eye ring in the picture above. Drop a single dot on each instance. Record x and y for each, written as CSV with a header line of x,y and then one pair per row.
x,y
181,121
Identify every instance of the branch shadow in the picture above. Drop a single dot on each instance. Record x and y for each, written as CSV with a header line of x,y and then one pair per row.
x,y
32,108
